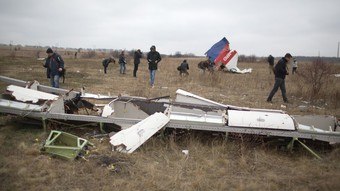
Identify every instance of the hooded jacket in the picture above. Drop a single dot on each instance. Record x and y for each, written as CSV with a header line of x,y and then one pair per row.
x,y
53,63
153,58
281,69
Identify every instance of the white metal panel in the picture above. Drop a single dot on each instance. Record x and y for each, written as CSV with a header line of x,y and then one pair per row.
x,y
20,105
124,109
128,140
313,129
95,96
191,117
24,94
187,97
257,119
108,109
324,122
57,106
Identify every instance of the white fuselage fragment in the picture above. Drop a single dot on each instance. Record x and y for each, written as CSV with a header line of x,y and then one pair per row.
x,y
25,94
128,140
256,119
20,105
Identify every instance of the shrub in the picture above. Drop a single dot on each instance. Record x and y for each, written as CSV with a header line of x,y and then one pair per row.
x,y
316,77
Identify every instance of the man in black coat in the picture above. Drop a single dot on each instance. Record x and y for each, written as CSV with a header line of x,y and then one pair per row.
x,y
55,67
106,62
153,58
136,61
280,72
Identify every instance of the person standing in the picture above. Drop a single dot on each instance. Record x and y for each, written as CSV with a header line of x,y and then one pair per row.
x,y
136,60
107,61
280,72
122,62
183,68
153,58
294,66
270,60
55,66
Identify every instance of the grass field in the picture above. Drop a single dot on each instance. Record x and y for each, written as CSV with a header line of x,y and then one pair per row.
x,y
213,163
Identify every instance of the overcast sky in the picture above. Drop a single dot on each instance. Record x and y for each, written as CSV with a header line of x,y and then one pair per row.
x,y
262,27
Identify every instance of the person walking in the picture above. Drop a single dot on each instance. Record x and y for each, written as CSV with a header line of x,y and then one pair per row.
x,y
122,62
294,66
270,60
107,61
136,60
183,68
153,58
280,72
55,66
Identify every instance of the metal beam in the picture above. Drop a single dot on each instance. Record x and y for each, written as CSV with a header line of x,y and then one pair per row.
x,y
333,137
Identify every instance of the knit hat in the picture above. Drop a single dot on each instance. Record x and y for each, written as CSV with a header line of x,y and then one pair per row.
x,y
288,55
49,50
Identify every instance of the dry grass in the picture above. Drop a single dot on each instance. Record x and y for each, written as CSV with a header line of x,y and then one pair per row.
x,y
213,163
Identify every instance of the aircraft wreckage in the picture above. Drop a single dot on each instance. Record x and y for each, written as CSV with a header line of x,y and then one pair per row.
x,y
139,118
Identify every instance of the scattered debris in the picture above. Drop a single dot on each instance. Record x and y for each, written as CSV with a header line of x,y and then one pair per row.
x,y
303,108
185,152
25,94
140,118
65,145
128,140
222,56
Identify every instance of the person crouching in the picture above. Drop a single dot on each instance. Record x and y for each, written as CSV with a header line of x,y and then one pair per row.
x,y
183,68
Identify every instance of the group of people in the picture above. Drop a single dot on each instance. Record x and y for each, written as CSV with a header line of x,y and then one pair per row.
x,y
54,64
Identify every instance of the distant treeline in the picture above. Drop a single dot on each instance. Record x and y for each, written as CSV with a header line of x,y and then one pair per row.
x,y
102,52
253,58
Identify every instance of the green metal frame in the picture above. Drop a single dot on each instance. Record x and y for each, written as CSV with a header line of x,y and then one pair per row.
x,y
64,145
291,145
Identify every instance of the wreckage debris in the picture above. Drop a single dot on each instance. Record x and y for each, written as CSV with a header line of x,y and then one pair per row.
x,y
221,54
140,118
128,140
65,145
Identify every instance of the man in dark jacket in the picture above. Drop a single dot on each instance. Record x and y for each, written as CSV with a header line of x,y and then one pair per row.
x,y
153,58
136,60
55,66
270,60
122,62
106,62
280,72
183,68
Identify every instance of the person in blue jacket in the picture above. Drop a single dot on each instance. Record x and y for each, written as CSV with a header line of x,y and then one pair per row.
x,y
55,67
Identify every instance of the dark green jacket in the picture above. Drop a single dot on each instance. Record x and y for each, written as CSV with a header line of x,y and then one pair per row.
x,y
153,58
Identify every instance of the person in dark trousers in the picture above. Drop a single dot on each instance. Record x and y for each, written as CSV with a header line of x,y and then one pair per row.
x,y
280,72
153,58
122,63
294,66
270,60
55,67
106,62
136,60
183,68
